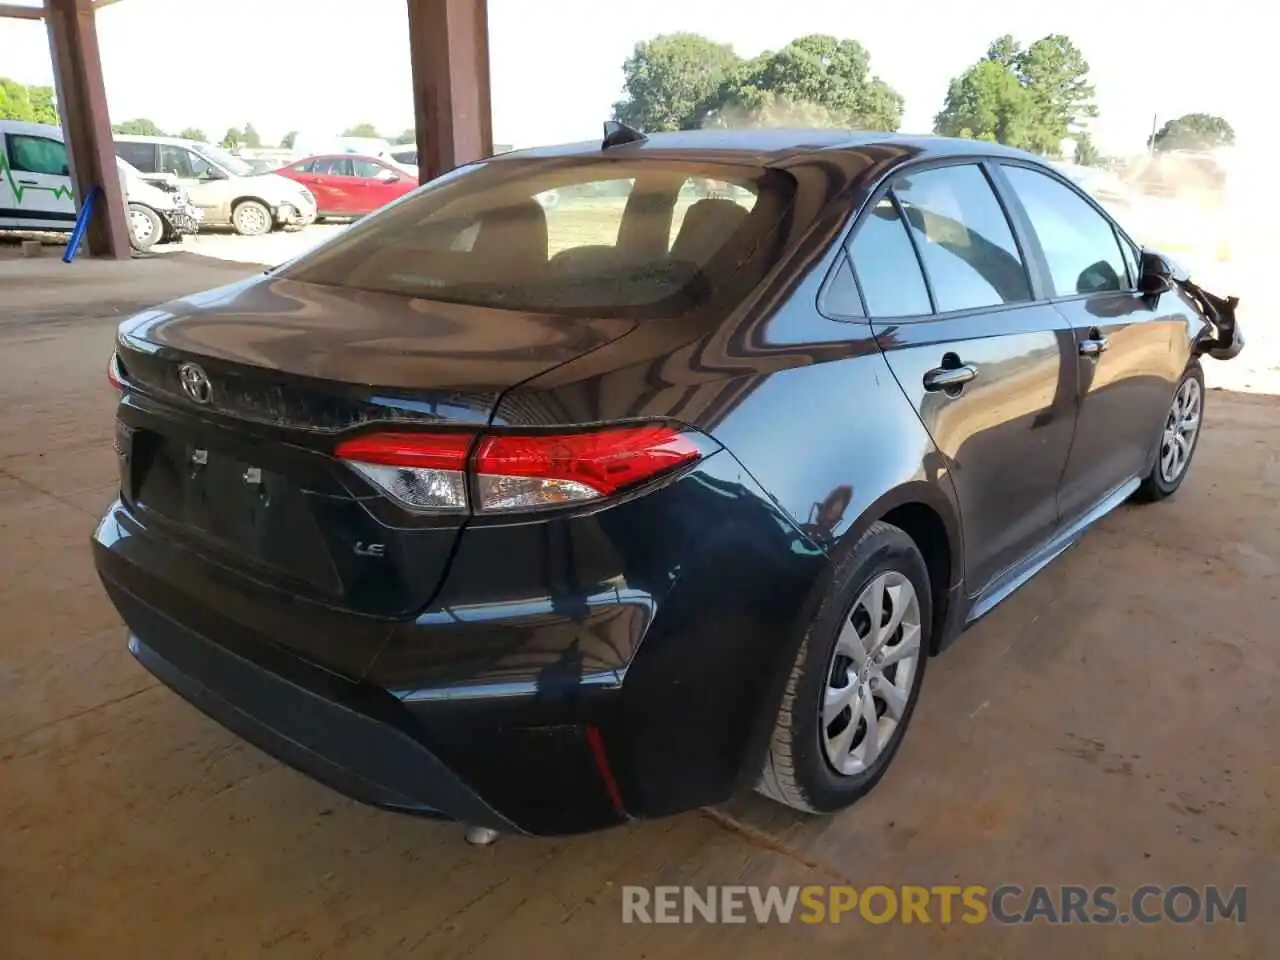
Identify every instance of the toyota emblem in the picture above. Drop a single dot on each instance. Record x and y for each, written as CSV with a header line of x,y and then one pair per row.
x,y
195,382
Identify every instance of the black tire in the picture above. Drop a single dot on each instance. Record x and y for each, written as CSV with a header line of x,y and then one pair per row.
x,y
1155,485
251,218
146,229
797,771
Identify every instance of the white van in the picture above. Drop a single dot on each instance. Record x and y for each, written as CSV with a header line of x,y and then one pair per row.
x,y
36,191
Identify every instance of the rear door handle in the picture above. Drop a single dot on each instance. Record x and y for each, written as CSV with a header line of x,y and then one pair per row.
x,y
1094,346
29,183
949,377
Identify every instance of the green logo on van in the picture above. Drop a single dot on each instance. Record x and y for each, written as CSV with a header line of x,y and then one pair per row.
x,y
20,190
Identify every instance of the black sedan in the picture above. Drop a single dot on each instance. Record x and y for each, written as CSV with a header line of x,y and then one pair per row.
x,y
547,517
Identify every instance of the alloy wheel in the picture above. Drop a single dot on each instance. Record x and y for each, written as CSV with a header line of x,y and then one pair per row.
x,y
872,670
1180,430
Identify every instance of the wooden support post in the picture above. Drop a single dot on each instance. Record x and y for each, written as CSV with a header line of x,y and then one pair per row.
x,y
449,54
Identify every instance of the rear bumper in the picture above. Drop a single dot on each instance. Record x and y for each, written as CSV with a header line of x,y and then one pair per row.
x,y
326,735
208,636
619,664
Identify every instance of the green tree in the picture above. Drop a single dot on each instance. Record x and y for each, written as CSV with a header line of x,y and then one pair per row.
x,y
408,135
1033,98
819,73
1193,131
251,137
987,102
43,106
140,127
193,133
1056,74
15,101
815,80
361,130
232,138
668,81
1087,153
289,139
1005,51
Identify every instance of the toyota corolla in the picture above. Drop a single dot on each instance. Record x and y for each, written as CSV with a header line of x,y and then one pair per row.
x,y
547,517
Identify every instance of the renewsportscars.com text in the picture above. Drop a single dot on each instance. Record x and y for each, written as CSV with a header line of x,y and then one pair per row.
x,y
1004,904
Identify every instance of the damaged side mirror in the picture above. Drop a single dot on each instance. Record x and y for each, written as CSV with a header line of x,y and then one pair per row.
x,y
1156,275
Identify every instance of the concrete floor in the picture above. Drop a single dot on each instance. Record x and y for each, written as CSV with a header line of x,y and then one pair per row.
x,y
1114,722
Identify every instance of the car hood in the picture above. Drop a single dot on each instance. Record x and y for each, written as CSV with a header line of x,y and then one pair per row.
x,y
272,186
271,325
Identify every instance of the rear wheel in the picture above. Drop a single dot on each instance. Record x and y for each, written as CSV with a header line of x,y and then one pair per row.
x,y
1179,435
855,680
251,218
146,229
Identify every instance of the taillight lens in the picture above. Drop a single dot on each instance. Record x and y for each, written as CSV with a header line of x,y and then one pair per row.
x,y
113,372
424,471
429,472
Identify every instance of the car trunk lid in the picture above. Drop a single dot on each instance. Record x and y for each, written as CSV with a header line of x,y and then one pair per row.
x,y
241,470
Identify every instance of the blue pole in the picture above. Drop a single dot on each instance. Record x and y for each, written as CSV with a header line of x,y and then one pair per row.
x,y
82,224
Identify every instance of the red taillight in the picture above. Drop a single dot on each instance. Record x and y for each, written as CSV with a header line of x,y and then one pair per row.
x,y
431,451
424,471
516,471
113,372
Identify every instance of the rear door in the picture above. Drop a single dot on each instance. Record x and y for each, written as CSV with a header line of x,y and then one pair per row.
x,y
377,183
990,371
38,192
334,183
1131,354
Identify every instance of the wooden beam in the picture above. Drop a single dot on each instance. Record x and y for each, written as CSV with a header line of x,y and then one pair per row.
x,y
13,11
449,56
86,126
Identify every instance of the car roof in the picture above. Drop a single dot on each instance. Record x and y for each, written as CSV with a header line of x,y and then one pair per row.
x,y
34,129
767,146
338,156
139,138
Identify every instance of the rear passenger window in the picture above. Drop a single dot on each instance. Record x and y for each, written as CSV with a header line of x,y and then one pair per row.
x,y
964,238
1078,242
886,265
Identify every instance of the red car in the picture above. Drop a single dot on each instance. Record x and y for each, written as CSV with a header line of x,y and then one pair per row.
x,y
346,185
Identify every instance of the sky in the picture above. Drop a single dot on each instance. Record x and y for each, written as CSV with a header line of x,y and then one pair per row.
x,y
319,66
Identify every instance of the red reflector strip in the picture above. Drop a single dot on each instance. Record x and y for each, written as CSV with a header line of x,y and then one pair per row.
x,y
113,372
596,742
430,451
605,460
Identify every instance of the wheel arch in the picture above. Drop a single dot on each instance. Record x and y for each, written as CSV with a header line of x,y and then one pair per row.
x,y
249,198
930,518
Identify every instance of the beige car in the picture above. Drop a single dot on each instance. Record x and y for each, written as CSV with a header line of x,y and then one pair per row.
x,y
223,187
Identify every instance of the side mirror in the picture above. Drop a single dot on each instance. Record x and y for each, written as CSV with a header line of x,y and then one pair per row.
x,y
1155,274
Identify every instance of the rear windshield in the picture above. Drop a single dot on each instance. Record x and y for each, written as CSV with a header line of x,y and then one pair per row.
x,y
648,238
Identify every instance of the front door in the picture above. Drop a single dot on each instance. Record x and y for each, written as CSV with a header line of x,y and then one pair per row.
x,y
202,181
1132,351
379,183
36,192
990,373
